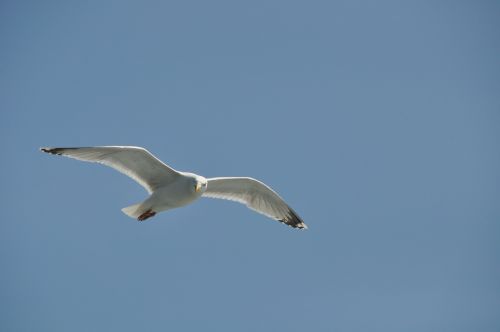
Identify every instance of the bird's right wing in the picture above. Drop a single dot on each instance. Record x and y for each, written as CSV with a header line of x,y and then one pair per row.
x,y
135,162
256,195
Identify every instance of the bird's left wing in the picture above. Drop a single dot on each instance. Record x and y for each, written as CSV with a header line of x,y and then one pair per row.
x,y
255,195
135,162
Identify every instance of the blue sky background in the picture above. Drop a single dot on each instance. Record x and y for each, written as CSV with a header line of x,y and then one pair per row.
x,y
378,121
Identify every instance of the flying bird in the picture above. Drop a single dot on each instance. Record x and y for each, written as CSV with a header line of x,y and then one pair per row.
x,y
170,189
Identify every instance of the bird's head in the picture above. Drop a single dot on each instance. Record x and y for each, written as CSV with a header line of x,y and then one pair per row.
x,y
200,184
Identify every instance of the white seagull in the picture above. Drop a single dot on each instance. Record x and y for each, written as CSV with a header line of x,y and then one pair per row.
x,y
170,189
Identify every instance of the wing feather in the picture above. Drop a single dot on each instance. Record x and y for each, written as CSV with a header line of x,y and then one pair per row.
x,y
135,162
255,195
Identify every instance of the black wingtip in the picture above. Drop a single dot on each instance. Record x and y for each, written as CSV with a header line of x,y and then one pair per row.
x,y
50,150
293,220
57,151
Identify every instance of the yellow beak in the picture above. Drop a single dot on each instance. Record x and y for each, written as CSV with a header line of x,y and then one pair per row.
x,y
198,186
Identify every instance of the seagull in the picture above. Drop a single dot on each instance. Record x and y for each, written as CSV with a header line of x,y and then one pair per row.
x,y
169,189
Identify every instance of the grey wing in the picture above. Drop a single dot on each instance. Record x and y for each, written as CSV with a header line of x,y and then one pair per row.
x,y
255,195
135,162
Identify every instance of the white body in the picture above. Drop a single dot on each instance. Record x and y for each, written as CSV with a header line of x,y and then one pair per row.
x,y
178,193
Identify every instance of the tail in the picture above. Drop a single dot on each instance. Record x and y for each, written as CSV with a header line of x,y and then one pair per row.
x,y
133,211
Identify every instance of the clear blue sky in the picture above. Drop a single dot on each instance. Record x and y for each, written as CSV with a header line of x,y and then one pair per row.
x,y
378,121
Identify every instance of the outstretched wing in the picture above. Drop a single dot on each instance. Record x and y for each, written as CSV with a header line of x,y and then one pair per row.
x,y
135,162
256,195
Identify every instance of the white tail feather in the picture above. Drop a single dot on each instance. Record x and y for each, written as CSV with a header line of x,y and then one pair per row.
x,y
132,211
